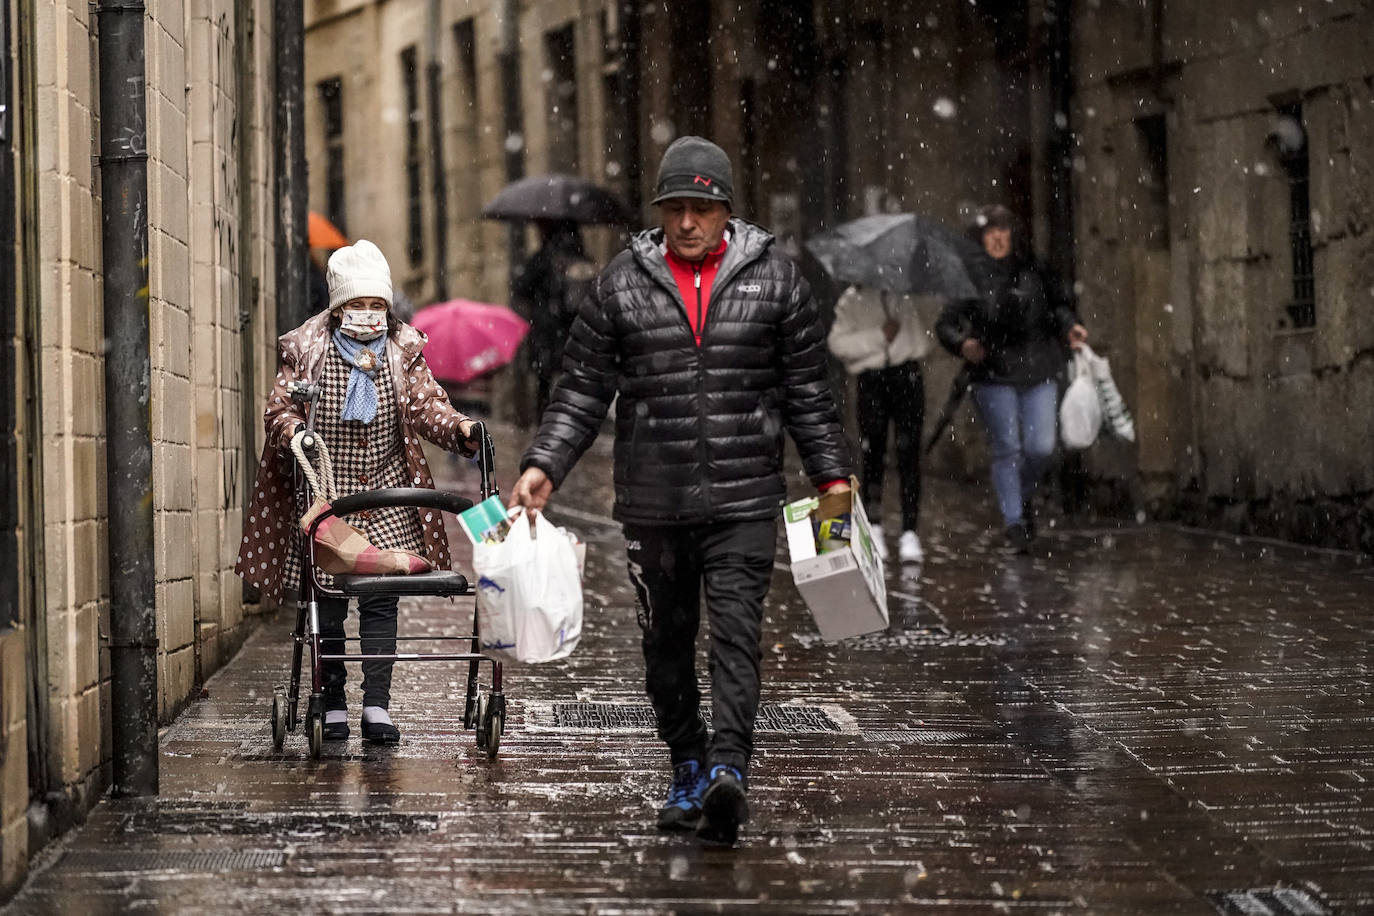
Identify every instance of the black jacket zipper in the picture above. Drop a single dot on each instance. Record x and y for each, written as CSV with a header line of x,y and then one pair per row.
x,y
696,273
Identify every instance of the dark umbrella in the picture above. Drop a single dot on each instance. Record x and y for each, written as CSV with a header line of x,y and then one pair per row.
x,y
898,252
957,390
556,197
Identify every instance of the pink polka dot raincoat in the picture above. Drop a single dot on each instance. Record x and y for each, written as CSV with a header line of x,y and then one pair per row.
x,y
424,411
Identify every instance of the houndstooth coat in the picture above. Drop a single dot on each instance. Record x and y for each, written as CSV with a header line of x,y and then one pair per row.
x,y
423,410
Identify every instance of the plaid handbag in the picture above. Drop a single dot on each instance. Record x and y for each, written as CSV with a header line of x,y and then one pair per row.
x,y
340,548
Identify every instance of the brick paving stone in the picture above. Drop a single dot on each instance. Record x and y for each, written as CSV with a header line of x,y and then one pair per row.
x,y
1134,720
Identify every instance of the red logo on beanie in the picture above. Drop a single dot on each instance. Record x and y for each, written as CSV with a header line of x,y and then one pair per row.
x,y
705,181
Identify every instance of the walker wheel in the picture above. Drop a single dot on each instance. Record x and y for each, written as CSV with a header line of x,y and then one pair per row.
x,y
315,732
493,727
278,718
483,704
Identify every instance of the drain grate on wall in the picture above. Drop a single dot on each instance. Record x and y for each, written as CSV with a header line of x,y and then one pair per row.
x,y
173,860
931,735
772,717
1268,901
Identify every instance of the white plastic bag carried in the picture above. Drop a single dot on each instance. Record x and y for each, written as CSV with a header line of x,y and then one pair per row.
x,y
529,592
1116,417
1080,413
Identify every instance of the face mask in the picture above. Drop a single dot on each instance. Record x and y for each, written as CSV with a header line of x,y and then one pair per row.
x,y
363,324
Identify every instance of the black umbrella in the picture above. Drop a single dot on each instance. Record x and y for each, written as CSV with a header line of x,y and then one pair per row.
x,y
898,252
957,390
556,197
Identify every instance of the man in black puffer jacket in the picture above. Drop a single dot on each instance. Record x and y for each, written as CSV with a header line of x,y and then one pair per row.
x,y
711,339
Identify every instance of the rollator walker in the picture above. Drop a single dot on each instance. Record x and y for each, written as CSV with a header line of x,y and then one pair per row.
x,y
484,709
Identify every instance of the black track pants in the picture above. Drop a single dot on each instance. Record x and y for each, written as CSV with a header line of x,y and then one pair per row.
x,y
893,395
669,566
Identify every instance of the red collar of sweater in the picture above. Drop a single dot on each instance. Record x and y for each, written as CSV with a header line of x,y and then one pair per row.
x,y
694,280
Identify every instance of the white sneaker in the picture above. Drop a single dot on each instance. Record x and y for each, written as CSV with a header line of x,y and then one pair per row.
x,y
879,544
909,548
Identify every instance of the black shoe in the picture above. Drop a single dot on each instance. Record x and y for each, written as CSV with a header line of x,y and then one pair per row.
x,y
723,808
682,810
1028,515
381,733
335,731
1018,540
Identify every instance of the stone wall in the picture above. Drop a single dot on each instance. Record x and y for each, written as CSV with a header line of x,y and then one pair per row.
x,y
209,285
1246,420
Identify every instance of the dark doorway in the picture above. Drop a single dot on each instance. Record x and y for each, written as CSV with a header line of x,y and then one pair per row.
x,y
560,51
690,31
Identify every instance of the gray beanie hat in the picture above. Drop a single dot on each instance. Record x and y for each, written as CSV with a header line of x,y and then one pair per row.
x,y
695,167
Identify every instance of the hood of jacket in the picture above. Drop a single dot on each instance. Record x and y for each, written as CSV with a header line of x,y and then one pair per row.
x,y
746,243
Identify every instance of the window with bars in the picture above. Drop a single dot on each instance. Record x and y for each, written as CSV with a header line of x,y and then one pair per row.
x,y
1291,142
331,101
415,226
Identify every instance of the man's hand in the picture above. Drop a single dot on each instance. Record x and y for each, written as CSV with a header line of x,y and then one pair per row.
x,y
532,490
972,350
1078,336
841,487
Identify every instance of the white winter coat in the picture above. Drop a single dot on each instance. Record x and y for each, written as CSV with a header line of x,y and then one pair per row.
x,y
857,337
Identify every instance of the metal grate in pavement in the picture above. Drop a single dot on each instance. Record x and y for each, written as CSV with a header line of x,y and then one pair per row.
x,y
173,860
322,823
931,735
772,717
1268,901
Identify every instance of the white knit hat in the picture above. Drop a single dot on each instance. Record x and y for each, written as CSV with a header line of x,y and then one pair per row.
x,y
357,271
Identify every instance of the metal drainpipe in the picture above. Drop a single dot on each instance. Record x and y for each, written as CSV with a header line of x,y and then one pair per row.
x,y
436,150
128,415
288,47
248,282
9,453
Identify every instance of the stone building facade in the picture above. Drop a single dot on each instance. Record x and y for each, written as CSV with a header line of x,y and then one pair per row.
x,y
1149,146
208,119
1225,194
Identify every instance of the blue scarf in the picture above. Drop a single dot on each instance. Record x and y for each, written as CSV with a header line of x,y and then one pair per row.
x,y
360,401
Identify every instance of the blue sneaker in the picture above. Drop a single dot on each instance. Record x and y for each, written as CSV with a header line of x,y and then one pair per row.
x,y
682,810
723,807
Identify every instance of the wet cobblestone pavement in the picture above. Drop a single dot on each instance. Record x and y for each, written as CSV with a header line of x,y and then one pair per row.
x,y
1134,720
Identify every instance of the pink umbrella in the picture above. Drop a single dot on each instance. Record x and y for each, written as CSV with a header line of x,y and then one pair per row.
x,y
469,339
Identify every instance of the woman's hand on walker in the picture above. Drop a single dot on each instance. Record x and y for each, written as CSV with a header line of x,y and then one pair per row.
x,y
532,490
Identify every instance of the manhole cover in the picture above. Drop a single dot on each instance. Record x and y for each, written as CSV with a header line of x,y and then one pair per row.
x,y
173,860
931,735
1268,901
772,717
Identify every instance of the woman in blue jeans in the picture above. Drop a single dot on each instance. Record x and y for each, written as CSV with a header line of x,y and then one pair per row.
x,y
1013,339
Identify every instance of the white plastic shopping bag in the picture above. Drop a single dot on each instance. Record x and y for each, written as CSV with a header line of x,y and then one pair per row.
x,y
529,592
1080,413
1116,417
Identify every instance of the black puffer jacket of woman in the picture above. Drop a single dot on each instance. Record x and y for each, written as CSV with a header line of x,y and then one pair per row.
x,y
699,429
1020,320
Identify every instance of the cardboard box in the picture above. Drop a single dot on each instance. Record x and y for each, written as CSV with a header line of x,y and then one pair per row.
x,y
844,589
